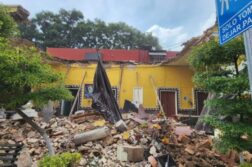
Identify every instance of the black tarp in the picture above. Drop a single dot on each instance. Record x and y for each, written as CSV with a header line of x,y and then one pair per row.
x,y
103,98
128,106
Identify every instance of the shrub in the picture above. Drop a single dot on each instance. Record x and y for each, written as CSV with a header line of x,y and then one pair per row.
x,y
61,160
246,165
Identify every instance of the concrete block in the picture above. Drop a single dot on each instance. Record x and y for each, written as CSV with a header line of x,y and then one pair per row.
x,y
29,112
130,153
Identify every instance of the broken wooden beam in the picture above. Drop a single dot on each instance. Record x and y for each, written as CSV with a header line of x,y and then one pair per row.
x,y
84,114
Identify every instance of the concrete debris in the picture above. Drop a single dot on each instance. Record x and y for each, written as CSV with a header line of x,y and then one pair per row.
x,y
141,113
121,126
140,121
107,146
32,140
130,153
24,159
79,112
108,141
2,115
48,111
29,112
91,135
183,130
28,105
153,151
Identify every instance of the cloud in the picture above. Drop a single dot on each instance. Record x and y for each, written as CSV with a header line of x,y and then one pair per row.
x,y
169,38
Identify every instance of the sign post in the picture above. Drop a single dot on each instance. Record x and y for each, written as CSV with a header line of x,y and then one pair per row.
x,y
234,18
248,47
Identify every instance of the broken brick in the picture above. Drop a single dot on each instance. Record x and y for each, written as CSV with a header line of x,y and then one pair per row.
x,y
189,150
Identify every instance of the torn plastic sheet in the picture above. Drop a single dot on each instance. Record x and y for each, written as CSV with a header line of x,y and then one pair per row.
x,y
103,98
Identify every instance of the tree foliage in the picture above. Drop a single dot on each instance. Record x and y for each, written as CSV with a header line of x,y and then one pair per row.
x,y
7,24
219,70
70,29
24,76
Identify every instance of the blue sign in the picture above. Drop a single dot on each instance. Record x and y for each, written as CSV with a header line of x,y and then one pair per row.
x,y
234,17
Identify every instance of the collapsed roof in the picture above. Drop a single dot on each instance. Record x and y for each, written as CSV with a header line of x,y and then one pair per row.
x,y
110,55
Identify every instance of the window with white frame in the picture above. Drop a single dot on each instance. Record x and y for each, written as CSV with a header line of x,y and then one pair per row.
x,y
138,96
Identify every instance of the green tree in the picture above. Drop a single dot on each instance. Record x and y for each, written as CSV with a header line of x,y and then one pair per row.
x,y
8,26
70,29
52,30
219,70
24,77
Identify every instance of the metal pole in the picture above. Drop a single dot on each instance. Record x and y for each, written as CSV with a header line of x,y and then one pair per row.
x,y
248,48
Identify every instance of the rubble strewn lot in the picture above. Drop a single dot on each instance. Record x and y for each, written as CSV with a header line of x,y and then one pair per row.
x,y
142,142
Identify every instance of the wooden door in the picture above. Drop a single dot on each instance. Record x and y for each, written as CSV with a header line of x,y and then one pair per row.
x,y
200,98
168,101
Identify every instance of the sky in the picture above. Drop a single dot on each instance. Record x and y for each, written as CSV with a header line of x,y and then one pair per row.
x,y
172,21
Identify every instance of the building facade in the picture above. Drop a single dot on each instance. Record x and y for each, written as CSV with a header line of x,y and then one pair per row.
x,y
134,77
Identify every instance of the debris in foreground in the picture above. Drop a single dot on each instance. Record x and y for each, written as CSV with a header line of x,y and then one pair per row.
x,y
114,149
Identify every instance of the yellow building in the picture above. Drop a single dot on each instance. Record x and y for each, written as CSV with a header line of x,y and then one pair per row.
x,y
169,80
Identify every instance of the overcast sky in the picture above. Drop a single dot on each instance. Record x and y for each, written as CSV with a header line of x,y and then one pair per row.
x,y
172,21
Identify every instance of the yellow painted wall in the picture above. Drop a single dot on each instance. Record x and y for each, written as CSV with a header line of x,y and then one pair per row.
x,y
179,77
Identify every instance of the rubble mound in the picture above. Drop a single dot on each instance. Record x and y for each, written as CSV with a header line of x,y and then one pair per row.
x,y
144,140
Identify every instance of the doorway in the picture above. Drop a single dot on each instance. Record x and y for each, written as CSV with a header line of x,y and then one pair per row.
x,y
67,105
201,96
168,100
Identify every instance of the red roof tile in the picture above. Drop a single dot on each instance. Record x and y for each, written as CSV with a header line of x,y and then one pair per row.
x,y
119,55
115,55
171,54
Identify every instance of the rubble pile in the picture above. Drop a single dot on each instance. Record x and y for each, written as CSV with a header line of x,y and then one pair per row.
x,y
143,144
